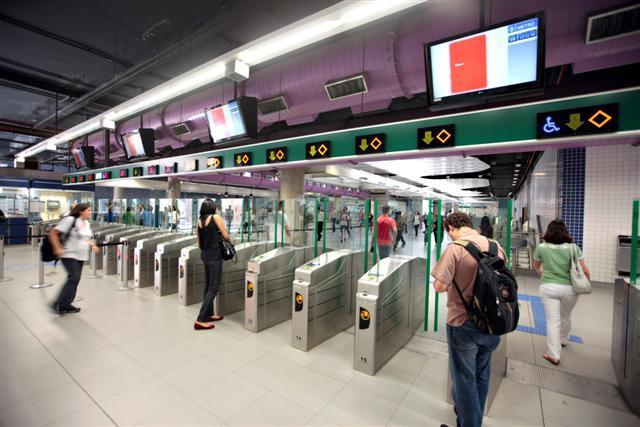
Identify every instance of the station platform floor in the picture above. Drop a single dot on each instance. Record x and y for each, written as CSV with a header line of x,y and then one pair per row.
x,y
131,358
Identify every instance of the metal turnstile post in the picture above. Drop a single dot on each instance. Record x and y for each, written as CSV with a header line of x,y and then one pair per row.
x,y
93,264
124,252
2,278
41,283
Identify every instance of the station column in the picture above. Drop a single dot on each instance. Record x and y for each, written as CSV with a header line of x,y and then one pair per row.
x,y
173,188
292,192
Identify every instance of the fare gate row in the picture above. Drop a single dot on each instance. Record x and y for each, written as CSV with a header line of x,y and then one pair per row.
x,y
144,257
166,264
230,297
129,249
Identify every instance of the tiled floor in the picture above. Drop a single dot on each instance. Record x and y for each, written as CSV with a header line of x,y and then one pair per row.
x,y
131,358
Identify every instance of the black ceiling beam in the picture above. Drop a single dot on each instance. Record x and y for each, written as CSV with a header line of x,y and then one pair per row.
x,y
45,72
34,85
24,130
63,39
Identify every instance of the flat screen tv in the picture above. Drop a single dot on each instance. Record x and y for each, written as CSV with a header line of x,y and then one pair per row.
x,y
500,60
139,143
83,157
236,119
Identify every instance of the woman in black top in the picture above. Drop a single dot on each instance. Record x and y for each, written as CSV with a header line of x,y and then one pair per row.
x,y
486,229
211,229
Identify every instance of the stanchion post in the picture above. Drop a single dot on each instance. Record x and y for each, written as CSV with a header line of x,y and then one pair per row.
x,y
41,283
2,278
125,267
94,266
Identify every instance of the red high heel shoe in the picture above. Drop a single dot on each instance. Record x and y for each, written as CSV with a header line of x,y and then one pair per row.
x,y
199,327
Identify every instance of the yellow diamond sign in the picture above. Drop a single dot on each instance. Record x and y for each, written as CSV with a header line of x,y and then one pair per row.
x,y
376,143
603,119
322,149
245,159
443,136
279,155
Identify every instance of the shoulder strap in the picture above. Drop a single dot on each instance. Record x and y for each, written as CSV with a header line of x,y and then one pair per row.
x,y
471,248
493,247
68,233
466,307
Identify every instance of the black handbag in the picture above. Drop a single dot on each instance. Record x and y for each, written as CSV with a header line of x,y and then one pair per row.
x,y
227,250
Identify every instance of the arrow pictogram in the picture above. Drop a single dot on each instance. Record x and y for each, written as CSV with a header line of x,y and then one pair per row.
x,y
363,144
574,121
272,155
427,138
312,151
238,159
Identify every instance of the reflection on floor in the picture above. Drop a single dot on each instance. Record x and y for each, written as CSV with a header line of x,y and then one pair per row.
x,y
131,358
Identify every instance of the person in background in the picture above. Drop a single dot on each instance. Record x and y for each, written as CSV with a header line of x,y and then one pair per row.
x,y
345,218
73,252
361,215
387,230
141,215
552,260
128,216
334,218
283,218
469,348
110,213
175,217
417,220
401,228
228,216
320,222
211,229
486,229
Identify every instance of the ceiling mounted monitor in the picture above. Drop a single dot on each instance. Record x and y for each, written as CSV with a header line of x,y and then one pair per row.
x,y
84,157
236,119
502,60
139,143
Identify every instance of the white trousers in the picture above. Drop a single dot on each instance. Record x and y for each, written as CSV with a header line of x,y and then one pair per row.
x,y
558,301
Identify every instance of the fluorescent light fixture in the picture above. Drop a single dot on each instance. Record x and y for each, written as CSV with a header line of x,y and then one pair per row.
x,y
326,23
51,146
108,124
20,159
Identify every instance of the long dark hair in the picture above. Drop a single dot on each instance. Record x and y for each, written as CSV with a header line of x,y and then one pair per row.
x,y
78,209
557,233
486,229
208,207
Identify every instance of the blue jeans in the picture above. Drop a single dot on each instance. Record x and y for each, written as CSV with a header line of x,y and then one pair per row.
x,y
469,363
383,251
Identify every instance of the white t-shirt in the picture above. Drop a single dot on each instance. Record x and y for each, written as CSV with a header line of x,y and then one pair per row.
x,y
77,244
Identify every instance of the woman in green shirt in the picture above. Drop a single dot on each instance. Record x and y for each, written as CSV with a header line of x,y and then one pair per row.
x,y
552,260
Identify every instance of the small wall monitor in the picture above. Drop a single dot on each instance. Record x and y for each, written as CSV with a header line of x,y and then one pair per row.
x,y
236,119
139,143
83,157
503,59
153,170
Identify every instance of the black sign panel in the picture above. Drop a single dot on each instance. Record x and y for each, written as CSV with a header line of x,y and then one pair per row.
x,y
91,177
243,159
318,150
171,168
138,171
153,170
215,162
578,121
371,144
65,180
74,179
124,173
277,155
436,137
81,178
106,175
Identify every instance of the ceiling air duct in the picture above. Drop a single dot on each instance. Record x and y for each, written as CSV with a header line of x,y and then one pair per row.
x,y
180,129
346,87
612,24
272,105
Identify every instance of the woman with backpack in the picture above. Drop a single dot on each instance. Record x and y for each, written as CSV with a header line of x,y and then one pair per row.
x,y
71,241
211,230
552,260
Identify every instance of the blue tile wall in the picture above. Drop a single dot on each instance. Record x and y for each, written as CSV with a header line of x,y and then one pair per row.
x,y
572,179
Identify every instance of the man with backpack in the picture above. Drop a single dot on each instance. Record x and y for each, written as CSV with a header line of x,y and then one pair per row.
x,y
482,304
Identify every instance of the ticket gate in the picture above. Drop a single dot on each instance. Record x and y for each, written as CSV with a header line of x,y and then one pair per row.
x,y
165,279
99,234
269,283
390,308
132,242
143,258
324,292
230,296
109,252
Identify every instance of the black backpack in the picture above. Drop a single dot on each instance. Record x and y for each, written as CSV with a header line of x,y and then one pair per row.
x,y
494,306
46,249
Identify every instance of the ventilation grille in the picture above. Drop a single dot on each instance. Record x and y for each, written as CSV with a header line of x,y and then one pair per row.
x,y
180,129
272,105
346,87
613,24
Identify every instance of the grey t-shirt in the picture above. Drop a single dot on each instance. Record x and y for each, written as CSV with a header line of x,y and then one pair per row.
x,y
77,244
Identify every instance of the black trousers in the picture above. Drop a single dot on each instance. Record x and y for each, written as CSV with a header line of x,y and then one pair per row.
x,y
416,227
399,238
212,277
70,287
320,228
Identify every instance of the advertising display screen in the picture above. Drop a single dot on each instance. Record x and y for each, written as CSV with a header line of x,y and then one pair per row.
x,y
78,158
506,58
225,122
133,146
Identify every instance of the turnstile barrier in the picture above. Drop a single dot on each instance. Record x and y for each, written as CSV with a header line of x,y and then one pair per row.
x,y
323,297
132,242
390,308
144,256
109,253
269,283
230,298
166,265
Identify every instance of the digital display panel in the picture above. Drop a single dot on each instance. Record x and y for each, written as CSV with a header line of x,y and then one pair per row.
x,y
133,145
153,170
91,177
106,175
171,168
124,173
138,171
190,165
214,162
503,59
74,179
225,122
81,178
78,158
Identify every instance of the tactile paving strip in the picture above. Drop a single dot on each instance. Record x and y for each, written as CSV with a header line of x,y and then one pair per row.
x,y
428,347
591,390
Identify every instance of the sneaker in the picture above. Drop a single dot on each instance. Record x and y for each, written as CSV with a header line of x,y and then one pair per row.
x,y
69,310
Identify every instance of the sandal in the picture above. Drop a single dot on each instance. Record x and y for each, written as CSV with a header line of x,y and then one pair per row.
x,y
551,359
